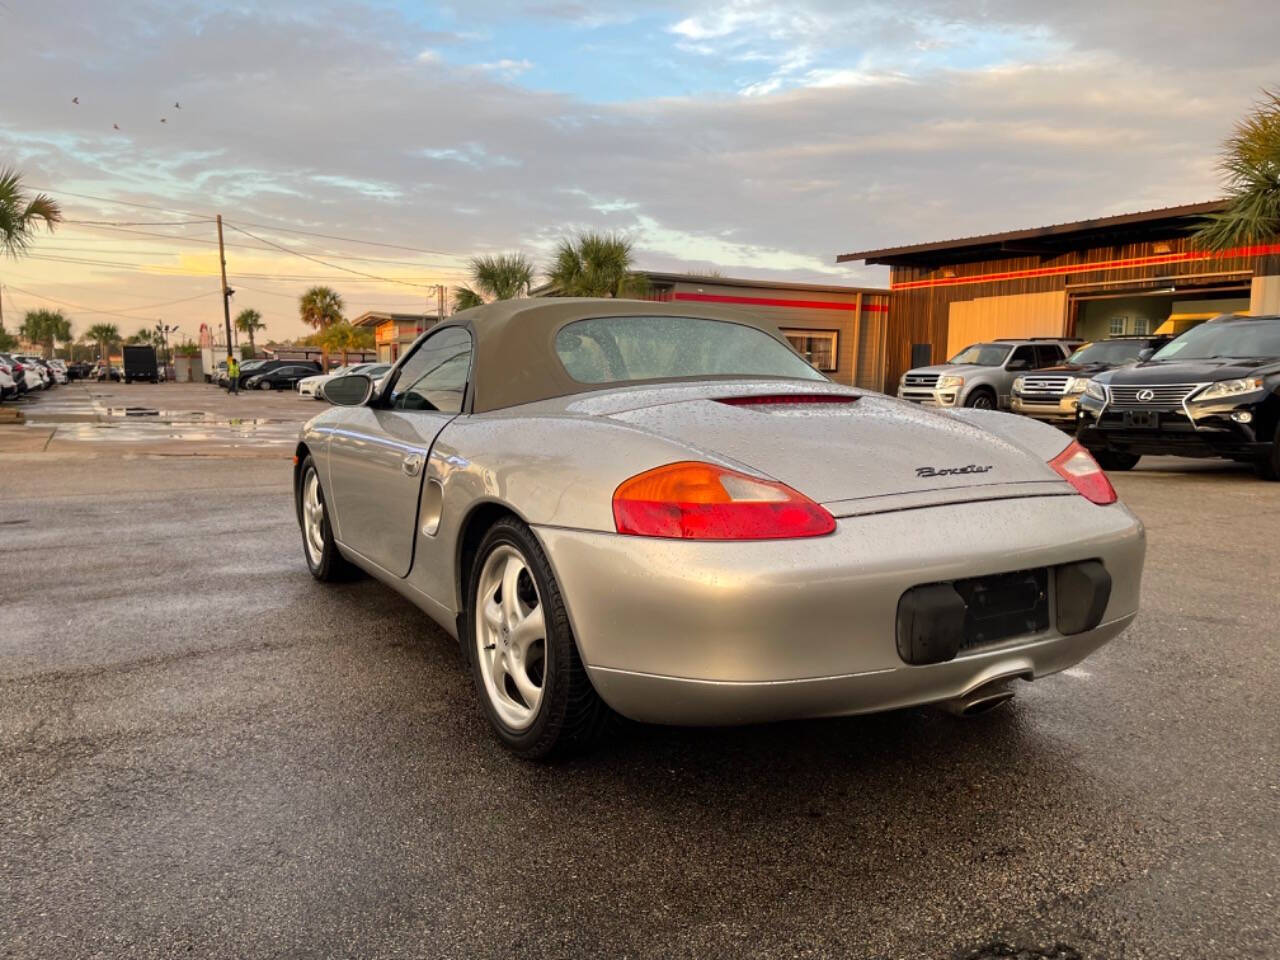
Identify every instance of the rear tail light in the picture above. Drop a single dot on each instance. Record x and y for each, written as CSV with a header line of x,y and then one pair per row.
x,y
1077,466
700,501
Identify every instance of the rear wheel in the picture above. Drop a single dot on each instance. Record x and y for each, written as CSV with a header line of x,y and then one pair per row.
x,y
531,681
981,399
323,559
1116,461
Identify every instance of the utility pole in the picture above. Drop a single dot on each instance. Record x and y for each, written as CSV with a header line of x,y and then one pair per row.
x,y
226,291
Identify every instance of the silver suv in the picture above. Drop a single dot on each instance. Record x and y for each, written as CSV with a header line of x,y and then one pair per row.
x,y
982,375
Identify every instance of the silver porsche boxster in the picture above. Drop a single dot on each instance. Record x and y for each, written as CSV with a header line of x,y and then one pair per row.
x,y
662,511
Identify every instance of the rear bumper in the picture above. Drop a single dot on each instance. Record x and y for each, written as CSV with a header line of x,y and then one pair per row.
x,y
719,633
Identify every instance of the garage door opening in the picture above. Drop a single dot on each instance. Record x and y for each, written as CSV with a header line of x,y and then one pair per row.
x,y
1098,316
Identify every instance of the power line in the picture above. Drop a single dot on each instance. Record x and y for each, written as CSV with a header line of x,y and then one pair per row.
x,y
110,313
332,266
305,233
167,270
329,236
250,246
135,223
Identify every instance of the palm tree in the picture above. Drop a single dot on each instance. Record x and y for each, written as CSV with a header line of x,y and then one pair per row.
x,y
45,327
19,215
464,298
506,276
594,264
250,320
1250,167
144,335
319,307
103,334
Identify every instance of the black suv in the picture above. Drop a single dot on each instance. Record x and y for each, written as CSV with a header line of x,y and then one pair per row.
x,y
1212,392
1053,393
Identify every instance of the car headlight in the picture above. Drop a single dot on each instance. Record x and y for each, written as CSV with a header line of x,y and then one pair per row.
x,y
1229,388
1017,384
1077,385
1094,389
950,383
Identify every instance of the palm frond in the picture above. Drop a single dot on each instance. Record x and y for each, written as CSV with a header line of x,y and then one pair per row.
x,y
1250,168
464,298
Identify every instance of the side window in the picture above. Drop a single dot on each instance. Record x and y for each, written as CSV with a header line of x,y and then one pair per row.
x,y
1025,354
435,377
1048,355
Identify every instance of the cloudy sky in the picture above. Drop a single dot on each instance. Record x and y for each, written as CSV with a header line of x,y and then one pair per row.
x,y
760,139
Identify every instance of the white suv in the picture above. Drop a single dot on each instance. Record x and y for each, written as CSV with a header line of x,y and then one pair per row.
x,y
982,374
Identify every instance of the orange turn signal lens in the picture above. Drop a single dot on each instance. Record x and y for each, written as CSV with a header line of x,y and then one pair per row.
x,y
700,501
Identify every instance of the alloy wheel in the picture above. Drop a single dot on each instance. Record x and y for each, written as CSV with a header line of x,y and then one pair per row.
x,y
511,637
313,517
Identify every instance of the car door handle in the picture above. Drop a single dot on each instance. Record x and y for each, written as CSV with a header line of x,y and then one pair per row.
x,y
411,464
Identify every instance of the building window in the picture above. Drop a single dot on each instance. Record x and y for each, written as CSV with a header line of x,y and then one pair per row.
x,y
1142,325
1117,327
816,346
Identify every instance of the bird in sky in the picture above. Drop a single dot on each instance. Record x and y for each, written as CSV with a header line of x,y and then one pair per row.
x,y
75,100
163,120
115,126
177,106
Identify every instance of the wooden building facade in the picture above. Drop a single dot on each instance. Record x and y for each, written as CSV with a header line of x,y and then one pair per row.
x,y
1137,273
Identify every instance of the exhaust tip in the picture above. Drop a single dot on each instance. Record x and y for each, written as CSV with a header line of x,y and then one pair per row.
x,y
986,698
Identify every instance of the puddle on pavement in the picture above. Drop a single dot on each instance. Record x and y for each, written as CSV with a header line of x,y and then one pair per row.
x,y
258,433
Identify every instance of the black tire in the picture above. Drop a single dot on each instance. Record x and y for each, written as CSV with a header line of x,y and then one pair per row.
x,y
329,565
1268,468
981,399
1114,461
571,717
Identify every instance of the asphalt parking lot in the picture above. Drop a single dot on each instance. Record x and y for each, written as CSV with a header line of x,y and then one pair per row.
x,y
204,752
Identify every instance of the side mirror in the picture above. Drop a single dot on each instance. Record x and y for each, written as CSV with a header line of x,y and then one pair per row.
x,y
1146,353
1018,365
353,390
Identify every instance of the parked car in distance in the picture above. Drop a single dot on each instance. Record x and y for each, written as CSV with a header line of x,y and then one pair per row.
x,y
254,368
60,372
278,378
1214,391
111,372
982,374
314,386
8,386
16,373
1053,393
38,376
527,458
79,370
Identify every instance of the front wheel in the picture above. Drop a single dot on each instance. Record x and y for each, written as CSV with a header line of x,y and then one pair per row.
x,y
264,386
981,399
524,660
1115,461
1268,468
323,559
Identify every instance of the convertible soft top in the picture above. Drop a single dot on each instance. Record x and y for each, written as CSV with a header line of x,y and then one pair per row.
x,y
515,358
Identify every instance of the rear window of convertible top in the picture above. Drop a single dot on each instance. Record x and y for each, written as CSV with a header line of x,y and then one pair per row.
x,y
619,349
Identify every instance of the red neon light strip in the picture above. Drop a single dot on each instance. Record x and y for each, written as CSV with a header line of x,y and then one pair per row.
x,y
1261,250
772,302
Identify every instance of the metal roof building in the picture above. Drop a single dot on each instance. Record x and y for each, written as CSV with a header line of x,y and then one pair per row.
x,y
1134,273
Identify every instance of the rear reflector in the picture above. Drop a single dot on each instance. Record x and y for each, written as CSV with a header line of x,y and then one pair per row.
x,y
778,399
700,501
1077,466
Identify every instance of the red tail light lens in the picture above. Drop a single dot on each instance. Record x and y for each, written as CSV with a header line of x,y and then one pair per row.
x,y
700,501
1077,466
